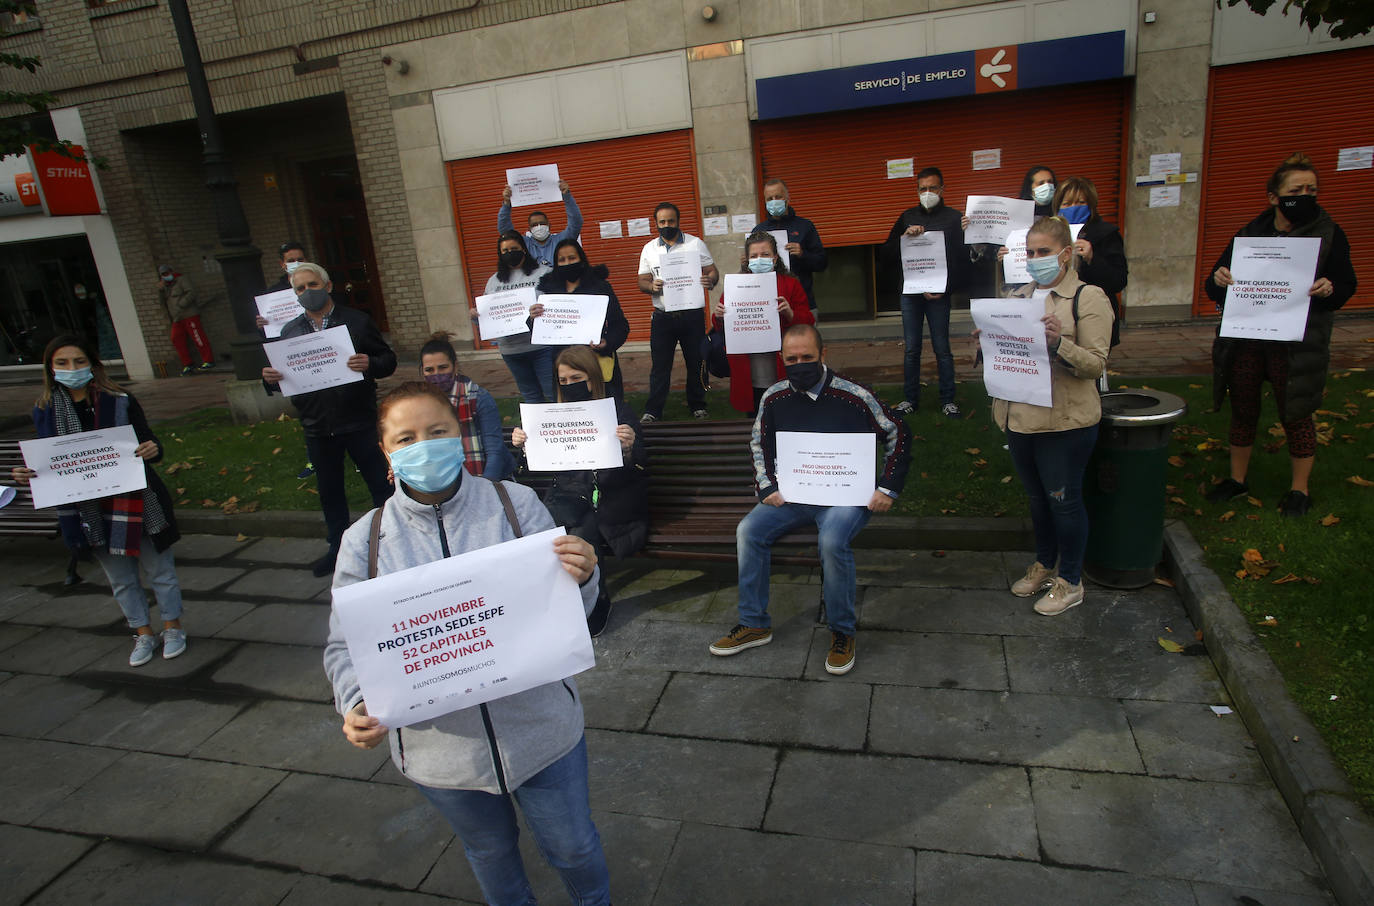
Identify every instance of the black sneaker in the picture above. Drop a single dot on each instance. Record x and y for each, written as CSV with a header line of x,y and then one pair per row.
x,y
207,366
1227,489
187,371
1295,503
600,615
325,565
307,471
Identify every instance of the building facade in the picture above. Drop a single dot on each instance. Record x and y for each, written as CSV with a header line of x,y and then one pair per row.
x,y
379,135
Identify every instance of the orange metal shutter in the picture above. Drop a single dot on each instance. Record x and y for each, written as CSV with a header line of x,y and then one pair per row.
x,y
1257,115
836,164
618,179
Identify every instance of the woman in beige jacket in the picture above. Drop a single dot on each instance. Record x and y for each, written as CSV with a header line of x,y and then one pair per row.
x,y
1050,445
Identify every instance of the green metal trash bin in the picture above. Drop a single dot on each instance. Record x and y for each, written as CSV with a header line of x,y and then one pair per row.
x,y
1124,486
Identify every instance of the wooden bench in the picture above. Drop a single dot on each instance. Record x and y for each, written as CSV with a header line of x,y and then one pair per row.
x,y
19,518
700,487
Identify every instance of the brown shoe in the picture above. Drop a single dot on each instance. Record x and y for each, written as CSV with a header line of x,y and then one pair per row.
x,y
740,638
1037,579
841,657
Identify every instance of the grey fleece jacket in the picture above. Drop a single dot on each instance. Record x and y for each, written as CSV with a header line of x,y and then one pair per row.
x,y
493,747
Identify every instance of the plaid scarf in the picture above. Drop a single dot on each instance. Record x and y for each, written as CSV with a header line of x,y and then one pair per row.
x,y
116,522
465,403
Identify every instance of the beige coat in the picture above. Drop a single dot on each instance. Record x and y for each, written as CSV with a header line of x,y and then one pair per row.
x,y
180,299
1081,359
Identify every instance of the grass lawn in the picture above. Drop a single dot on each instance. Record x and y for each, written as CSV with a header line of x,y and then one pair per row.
x,y
1310,606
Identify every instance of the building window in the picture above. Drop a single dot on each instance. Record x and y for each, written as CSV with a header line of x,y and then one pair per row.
x,y
14,22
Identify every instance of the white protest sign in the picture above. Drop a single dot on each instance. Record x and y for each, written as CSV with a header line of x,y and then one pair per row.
x,y
610,229
503,314
84,466
924,269
563,437
638,226
752,323
533,185
1016,359
313,361
277,308
780,236
1014,261
570,320
825,469
464,630
1269,300
991,218
680,271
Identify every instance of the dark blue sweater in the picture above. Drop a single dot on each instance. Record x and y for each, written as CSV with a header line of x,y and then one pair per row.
x,y
842,407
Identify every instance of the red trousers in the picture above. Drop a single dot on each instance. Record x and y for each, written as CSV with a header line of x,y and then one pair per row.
x,y
190,327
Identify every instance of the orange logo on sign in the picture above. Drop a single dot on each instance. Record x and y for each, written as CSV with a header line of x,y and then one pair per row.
x,y
28,189
994,69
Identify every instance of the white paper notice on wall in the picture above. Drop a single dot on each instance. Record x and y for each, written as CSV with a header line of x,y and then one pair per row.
x,y
610,229
987,159
716,226
1361,158
902,168
1165,196
1165,164
639,226
743,223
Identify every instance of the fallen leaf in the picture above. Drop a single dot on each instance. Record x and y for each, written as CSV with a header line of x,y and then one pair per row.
x,y
251,506
1254,501
1176,461
1006,479
248,434
224,471
208,503
973,451
1178,500
183,502
1330,519
1194,386
1253,517
1169,645
1360,482
1197,634
1167,583
1268,621
1227,516
181,492
1284,580
979,463
276,451
241,537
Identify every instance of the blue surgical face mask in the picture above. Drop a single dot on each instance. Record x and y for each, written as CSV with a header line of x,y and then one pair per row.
x,y
776,206
1043,270
429,466
761,265
1076,213
73,379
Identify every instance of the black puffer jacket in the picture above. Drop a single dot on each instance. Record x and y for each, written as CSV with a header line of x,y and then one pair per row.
x,y
1309,357
346,407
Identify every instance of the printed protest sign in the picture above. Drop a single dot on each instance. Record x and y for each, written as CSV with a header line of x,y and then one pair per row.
x,y
680,271
570,436
991,218
924,269
1016,359
1269,300
826,469
533,185
278,308
84,466
505,313
313,361
570,320
751,313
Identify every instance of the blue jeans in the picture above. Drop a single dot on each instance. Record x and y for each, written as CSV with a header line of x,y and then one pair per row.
x,y
1051,466
533,373
161,571
916,309
557,810
754,547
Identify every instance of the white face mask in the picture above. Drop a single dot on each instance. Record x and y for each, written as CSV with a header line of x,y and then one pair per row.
x,y
291,267
929,200
1043,193
540,232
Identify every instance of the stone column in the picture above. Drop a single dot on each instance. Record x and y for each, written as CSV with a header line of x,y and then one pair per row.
x,y
1173,56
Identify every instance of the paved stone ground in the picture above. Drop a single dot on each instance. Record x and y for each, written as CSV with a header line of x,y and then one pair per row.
x,y
977,753
1162,349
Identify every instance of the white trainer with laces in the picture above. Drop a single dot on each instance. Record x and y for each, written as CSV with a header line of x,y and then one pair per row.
x,y
173,643
1060,598
144,646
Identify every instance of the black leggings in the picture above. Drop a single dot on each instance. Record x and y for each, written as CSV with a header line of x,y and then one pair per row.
x,y
1254,361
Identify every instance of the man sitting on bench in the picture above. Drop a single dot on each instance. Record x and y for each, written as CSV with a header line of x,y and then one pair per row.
x,y
812,399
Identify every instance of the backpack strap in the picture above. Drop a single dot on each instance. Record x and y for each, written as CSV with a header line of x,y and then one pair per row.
x,y
508,507
373,537
1076,293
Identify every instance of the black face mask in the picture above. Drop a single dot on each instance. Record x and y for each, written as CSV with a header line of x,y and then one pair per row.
x,y
513,258
571,273
576,393
1299,209
804,375
669,234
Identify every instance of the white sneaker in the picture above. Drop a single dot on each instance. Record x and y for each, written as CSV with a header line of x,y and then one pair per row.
x,y
1060,598
1037,579
173,643
144,646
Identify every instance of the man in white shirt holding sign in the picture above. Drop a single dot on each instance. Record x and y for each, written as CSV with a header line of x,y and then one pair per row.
x,y
340,419
816,401
669,329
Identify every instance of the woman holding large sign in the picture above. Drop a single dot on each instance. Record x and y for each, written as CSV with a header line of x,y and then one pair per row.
x,y
474,763
124,531
573,274
1243,360
530,365
753,373
608,507
1050,445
